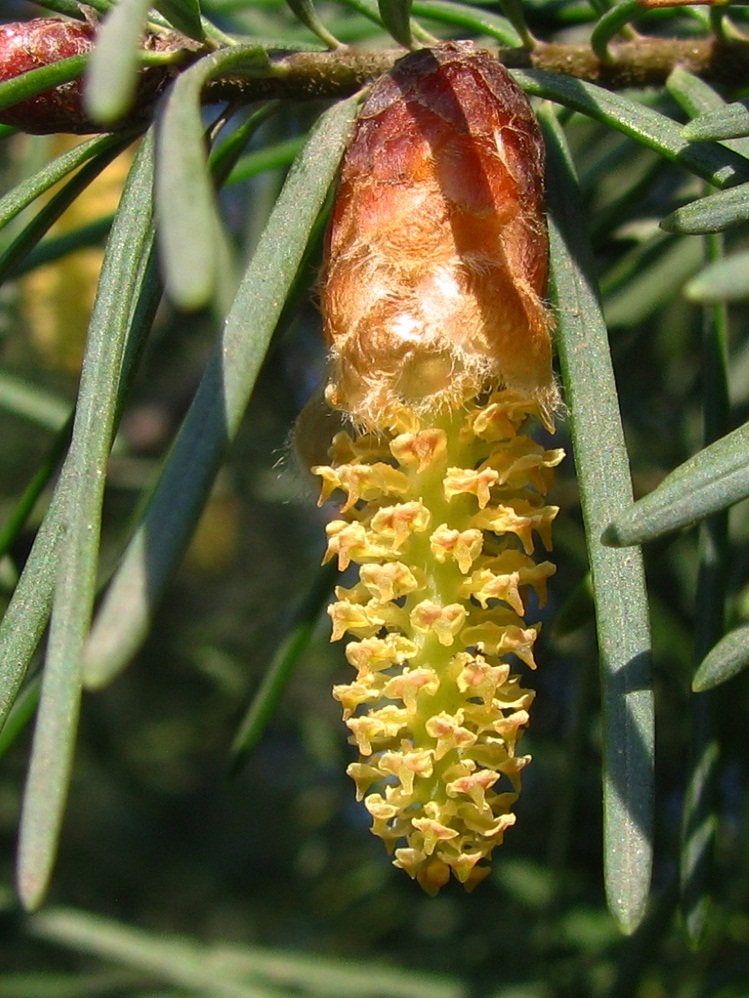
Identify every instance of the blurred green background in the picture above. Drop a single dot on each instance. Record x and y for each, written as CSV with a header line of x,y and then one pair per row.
x,y
167,833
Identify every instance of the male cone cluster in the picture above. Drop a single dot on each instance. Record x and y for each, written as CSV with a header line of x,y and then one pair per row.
x,y
440,356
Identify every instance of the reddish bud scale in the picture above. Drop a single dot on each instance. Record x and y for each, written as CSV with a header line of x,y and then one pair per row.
x,y
437,250
42,41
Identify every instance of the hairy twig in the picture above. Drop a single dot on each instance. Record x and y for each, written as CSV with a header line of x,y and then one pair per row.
x,y
640,63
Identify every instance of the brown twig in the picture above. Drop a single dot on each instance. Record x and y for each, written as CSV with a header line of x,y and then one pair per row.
x,y
641,63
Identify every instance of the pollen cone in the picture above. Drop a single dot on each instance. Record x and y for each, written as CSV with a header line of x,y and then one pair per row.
x,y
440,358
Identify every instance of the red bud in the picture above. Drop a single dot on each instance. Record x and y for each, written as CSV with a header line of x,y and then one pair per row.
x,y
42,41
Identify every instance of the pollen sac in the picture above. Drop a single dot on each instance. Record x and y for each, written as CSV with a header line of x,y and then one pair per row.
x,y
436,261
436,623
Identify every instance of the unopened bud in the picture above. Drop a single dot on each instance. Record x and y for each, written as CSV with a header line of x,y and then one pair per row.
x,y
43,41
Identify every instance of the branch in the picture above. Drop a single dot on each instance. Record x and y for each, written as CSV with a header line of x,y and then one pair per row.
x,y
641,63
53,101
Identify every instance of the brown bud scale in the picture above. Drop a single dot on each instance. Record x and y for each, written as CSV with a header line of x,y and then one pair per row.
x,y
437,251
